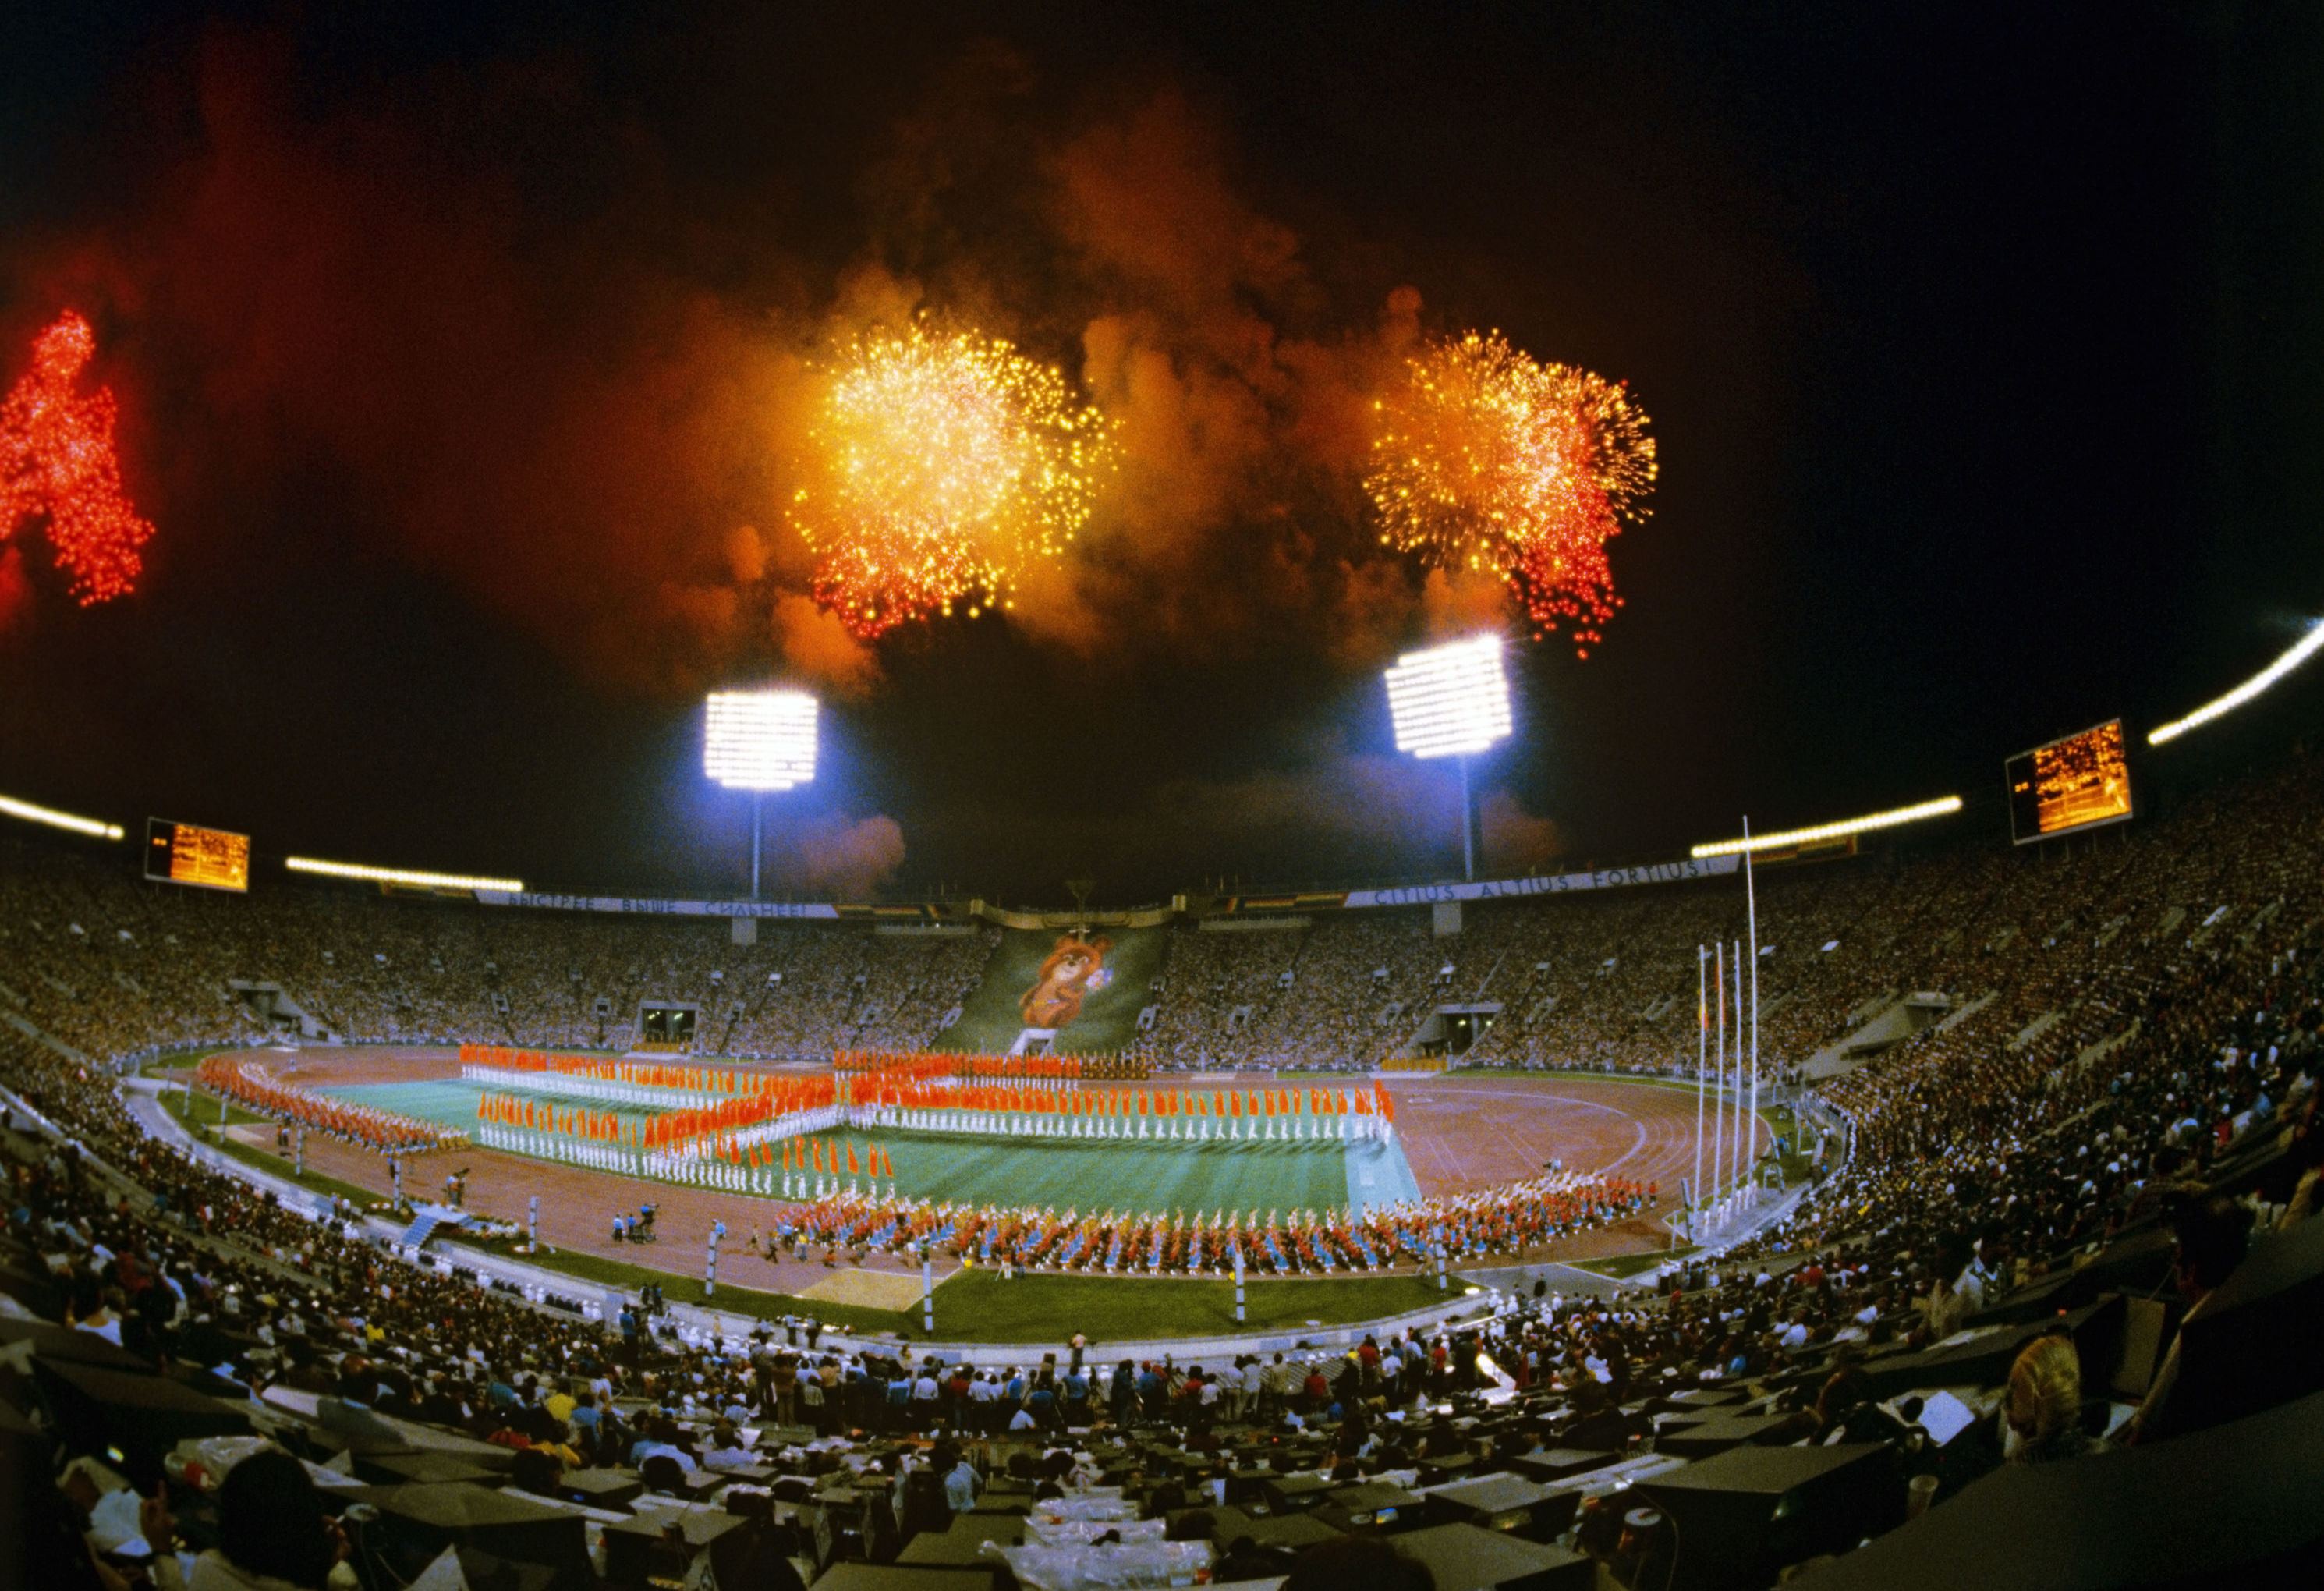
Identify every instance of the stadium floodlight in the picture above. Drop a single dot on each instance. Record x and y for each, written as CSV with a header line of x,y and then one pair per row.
x,y
11,807
418,881
2299,652
758,741
1941,806
761,740
1452,702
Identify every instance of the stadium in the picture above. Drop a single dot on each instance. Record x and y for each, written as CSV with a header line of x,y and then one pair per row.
x,y
561,1118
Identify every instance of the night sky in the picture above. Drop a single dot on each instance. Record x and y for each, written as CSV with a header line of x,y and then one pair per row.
x,y
464,352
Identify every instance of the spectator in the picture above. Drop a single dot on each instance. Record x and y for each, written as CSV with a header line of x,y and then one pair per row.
x,y
272,1527
2214,1233
2043,1409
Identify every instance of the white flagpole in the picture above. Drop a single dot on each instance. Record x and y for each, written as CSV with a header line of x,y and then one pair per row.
x,y
1719,1074
1751,905
1701,1053
1741,1168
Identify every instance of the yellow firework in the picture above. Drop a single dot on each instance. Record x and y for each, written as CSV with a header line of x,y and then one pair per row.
x,y
1485,460
944,464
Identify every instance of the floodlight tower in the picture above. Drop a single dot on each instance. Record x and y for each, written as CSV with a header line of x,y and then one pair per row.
x,y
758,741
1452,702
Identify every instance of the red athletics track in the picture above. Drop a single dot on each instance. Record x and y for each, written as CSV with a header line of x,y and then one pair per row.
x,y
1466,1130
1460,1132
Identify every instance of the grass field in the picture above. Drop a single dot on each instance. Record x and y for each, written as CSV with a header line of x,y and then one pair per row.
x,y
1064,1172
1080,1174
978,1306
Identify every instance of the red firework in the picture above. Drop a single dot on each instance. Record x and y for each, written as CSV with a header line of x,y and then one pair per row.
x,y
1487,460
57,459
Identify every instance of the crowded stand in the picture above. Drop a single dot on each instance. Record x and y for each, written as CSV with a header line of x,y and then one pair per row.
x,y
117,967
2071,1215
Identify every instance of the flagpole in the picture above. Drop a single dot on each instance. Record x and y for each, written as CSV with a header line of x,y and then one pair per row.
x,y
1736,1164
1718,1073
1702,1048
1751,909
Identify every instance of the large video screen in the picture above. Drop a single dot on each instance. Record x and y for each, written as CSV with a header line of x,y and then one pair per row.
x,y
2075,784
181,853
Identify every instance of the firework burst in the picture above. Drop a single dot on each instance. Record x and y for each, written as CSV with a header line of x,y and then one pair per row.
x,y
947,463
1485,460
57,459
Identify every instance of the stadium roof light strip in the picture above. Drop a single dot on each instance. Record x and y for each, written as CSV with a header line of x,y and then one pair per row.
x,y
1942,805
95,828
2299,652
1450,700
419,881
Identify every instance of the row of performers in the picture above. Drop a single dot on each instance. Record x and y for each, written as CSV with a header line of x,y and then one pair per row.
x,y
1511,1219
249,1085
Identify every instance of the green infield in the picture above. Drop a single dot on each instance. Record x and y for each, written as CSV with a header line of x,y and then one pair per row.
x,y
1063,1173
1067,1174
449,1102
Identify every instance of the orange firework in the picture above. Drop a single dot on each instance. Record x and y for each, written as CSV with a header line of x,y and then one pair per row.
x,y
1484,460
945,464
57,459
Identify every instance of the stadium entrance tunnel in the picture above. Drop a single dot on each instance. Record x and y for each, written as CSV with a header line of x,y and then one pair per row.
x,y
279,1011
667,1025
1894,1022
1454,1030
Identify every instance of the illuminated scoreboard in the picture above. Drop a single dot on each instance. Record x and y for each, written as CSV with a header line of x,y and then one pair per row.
x,y
2077,782
179,852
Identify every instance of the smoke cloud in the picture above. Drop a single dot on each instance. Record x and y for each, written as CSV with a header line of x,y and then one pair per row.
x,y
1517,842
850,860
818,646
15,589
